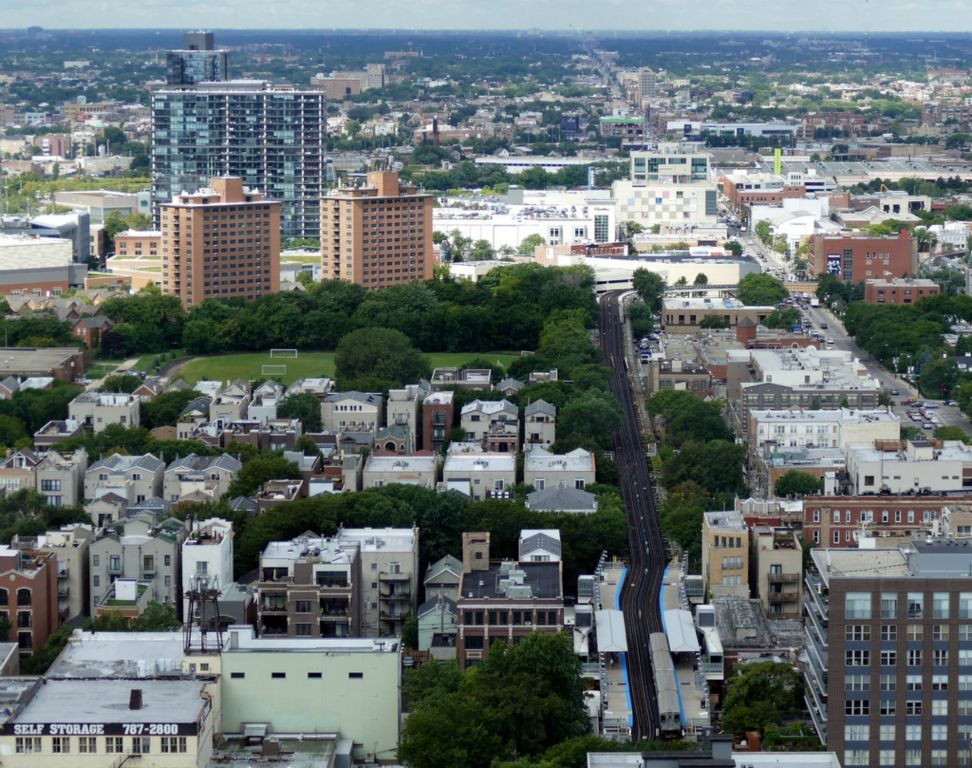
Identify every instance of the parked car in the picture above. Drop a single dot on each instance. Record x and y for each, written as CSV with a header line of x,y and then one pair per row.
x,y
895,392
909,401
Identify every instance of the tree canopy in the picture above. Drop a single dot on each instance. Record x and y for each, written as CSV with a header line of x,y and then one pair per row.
x,y
760,695
760,290
797,483
378,358
650,286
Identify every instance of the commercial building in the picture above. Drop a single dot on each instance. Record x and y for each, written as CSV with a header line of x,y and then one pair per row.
x,y
770,431
647,86
28,597
725,554
310,587
686,315
845,521
198,62
378,234
236,248
313,686
899,290
888,649
631,127
102,723
911,466
504,600
101,203
43,266
97,410
669,187
271,136
853,258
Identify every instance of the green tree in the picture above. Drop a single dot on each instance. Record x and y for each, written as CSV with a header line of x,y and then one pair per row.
x,y
650,286
126,382
115,224
759,289
783,318
680,519
303,406
481,251
11,431
714,322
762,694
530,244
715,465
164,409
950,433
797,483
258,471
734,247
939,377
380,354
700,279
588,419
762,230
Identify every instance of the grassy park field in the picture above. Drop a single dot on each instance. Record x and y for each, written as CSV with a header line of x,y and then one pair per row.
x,y
306,364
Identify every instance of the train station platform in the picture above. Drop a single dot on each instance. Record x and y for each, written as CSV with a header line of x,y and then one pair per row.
x,y
616,697
683,641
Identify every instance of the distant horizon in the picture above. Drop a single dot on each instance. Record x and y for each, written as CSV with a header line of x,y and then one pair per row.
x,y
606,16
524,31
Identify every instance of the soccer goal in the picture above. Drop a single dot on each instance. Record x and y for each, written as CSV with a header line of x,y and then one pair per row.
x,y
283,353
273,370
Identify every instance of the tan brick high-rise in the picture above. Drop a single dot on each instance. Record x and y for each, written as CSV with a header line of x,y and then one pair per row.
x,y
377,235
220,243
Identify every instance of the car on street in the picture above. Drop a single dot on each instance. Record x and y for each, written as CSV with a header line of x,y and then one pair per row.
x,y
895,392
909,401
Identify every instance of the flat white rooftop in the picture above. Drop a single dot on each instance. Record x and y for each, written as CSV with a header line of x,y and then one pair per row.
x,y
119,654
106,701
241,638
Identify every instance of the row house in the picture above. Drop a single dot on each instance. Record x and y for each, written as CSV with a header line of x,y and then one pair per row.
x,y
200,476
96,411
194,415
141,549
352,412
404,409
493,423
135,478
57,476
231,403
265,401
539,425
543,469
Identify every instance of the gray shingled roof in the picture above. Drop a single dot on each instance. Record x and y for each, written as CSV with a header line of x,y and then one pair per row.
x,y
561,500
540,406
118,463
196,463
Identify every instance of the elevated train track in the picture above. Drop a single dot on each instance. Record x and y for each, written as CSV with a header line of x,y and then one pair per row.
x,y
640,598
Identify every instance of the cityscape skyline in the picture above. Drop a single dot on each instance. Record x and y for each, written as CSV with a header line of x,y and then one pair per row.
x,y
661,15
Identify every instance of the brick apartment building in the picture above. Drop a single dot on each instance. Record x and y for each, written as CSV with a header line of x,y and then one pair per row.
x,y
899,291
236,247
133,243
837,521
853,258
28,596
438,419
504,601
377,235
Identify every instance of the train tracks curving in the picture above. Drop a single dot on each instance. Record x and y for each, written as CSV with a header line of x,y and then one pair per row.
x,y
640,598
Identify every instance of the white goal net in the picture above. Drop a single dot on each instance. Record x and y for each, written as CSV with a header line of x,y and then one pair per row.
x,y
292,353
273,370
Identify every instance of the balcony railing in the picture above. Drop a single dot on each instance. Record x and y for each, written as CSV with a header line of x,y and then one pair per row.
x,y
783,597
783,578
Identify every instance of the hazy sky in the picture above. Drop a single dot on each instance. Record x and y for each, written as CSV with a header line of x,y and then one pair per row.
x,y
782,15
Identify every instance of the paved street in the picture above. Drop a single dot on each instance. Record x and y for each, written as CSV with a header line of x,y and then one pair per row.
x,y
949,415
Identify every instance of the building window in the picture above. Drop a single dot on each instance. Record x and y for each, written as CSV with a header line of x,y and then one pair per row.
x,y
857,658
23,596
88,745
857,707
278,675
916,605
303,606
940,605
174,744
355,675
912,707
889,632
314,675
237,675
857,605
914,658
889,658
857,632
141,745
27,744
61,745
889,605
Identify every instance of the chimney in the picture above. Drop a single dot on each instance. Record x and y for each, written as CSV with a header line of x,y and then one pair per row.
x,y
135,699
475,551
